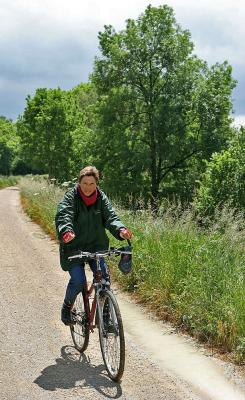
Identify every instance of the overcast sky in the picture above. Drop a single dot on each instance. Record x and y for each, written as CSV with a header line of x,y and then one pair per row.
x,y
51,43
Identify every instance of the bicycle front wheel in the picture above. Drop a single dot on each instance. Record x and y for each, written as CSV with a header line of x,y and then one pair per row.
x,y
111,333
80,329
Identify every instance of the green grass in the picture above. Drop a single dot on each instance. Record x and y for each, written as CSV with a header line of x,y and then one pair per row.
x,y
39,200
6,181
189,275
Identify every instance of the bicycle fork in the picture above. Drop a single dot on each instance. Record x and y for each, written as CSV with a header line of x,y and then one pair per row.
x,y
102,313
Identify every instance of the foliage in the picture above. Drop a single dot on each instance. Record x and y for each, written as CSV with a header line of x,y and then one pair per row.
x,y
224,179
44,131
160,106
39,197
8,145
6,181
80,105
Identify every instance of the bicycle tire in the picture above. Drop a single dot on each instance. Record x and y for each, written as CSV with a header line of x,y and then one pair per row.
x,y
112,344
80,330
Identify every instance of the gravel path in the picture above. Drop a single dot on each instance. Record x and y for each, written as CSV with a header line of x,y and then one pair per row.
x,y
37,359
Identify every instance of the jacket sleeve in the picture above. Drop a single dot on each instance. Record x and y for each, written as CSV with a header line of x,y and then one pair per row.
x,y
111,219
64,218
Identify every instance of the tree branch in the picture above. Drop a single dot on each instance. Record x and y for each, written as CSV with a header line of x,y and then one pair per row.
x,y
178,164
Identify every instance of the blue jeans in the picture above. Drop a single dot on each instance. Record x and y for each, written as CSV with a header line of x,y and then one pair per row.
x,y
76,282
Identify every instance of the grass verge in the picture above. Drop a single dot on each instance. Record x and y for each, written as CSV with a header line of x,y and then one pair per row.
x,y
6,181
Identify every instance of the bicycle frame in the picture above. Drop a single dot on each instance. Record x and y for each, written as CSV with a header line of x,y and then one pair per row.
x,y
96,287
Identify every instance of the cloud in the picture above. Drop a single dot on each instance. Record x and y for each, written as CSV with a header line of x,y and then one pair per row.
x,y
218,37
239,121
41,47
50,43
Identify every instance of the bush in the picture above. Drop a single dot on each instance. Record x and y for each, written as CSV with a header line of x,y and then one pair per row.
x,y
224,179
6,181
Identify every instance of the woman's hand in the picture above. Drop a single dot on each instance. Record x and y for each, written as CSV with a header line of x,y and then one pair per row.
x,y
68,236
125,234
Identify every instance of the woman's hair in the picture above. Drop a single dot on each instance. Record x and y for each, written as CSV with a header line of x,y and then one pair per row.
x,y
89,171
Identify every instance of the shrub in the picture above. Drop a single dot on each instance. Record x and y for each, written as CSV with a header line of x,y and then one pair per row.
x,y
224,179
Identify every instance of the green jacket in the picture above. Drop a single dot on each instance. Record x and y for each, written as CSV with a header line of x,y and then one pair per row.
x,y
88,224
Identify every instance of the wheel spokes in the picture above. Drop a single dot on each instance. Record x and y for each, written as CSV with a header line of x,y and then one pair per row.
x,y
112,346
111,341
79,330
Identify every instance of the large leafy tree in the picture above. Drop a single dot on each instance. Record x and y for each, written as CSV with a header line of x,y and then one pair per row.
x,y
80,110
9,145
44,130
160,106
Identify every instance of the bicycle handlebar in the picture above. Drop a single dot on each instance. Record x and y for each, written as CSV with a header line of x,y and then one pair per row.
x,y
99,254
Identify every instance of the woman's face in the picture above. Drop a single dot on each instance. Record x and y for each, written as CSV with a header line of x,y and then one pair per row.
x,y
88,185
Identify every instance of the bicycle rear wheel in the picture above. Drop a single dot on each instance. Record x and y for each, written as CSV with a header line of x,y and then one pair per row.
x,y
111,333
80,330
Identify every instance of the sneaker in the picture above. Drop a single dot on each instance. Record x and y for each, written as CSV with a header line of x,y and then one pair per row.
x,y
66,317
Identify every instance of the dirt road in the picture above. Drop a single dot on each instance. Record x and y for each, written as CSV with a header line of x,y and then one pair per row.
x,y
37,359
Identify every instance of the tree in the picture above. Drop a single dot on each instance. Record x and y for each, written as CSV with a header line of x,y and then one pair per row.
x,y
9,145
159,98
44,130
80,110
223,182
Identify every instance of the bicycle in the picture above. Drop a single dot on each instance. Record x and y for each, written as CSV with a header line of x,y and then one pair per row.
x,y
96,307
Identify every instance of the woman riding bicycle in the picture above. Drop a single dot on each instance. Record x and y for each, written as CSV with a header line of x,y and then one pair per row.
x,y
81,220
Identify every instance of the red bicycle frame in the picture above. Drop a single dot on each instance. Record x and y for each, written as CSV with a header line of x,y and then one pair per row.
x,y
90,308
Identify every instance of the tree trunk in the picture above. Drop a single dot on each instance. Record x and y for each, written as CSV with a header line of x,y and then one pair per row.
x,y
153,172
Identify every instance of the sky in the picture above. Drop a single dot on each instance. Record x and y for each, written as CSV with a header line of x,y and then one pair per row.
x,y
52,43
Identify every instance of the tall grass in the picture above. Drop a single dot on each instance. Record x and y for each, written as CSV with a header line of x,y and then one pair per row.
x,y
6,181
193,276
39,199
189,275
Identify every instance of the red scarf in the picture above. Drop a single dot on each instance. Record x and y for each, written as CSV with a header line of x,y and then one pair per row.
x,y
88,200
